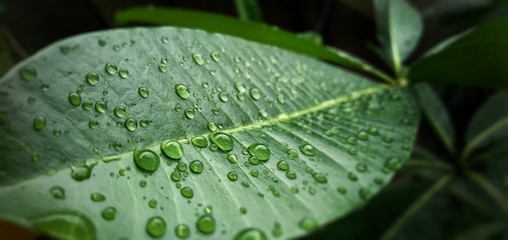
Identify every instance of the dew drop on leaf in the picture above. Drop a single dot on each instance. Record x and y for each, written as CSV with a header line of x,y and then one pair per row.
x,y
80,173
206,224
200,142
109,213
187,192
255,94
240,87
27,74
120,112
365,194
260,151
254,172
57,192
222,140
93,124
189,113
39,123
143,92
283,165
162,68
124,73
152,203
352,151
176,176
308,224
172,149
97,197
308,150
232,176
393,163
142,183
198,59
92,78
250,234
223,96
292,154
243,210
111,68
101,107
319,177
212,127
291,174
156,227
352,177
75,99
146,160
364,136
215,56
182,91
131,124
232,158
182,231
196,166
181,166
360,167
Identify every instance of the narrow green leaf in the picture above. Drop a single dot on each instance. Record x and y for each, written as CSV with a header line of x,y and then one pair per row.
x,y
477,57
249,10
489,123
152,132
248,30
437,115
399,27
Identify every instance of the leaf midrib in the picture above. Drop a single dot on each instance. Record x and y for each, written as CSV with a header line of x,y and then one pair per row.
x,y
282,117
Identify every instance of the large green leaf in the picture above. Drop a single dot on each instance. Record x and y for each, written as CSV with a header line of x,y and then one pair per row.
x,y
257,32
489,123
399,28
477,57
437,115
285,143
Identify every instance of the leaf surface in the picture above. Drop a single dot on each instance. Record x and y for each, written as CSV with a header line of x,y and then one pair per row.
x,y
475,58
399,27
206,135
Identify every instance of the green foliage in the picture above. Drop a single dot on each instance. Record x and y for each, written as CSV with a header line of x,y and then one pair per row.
x,y
249,10
138,131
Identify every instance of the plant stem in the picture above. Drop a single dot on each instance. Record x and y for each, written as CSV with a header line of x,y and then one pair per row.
x,y
394,228
489,189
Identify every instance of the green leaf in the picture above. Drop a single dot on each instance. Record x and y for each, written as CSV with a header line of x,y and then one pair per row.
x,y
477,57
217,133
248,30
399,27
249,10
489,123
437,115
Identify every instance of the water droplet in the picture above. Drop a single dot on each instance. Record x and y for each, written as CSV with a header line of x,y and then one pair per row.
x,y
291,174
181,166
283,165
87,106
198,59
93,124
196,166
176,176
187,192
255,93
319,177
101,107
109,213
172,149
364,136
120,112
352,177
156,227
308,224
292,154
212,127
199,142
351,141
74,99
152,203
250,234
360,167
182,230
393,163
260,151
240,87
57,192
189,113
352,151
281,99
143,92
39,123
308,150
164,39
97,197
111,69
365,194
81,172
92,78
206,224
223,96
162,68
146,160
254,172
131,124
215,56
142,183
27,74
232,158
233,176
243,210
342,190
182,91
222,140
